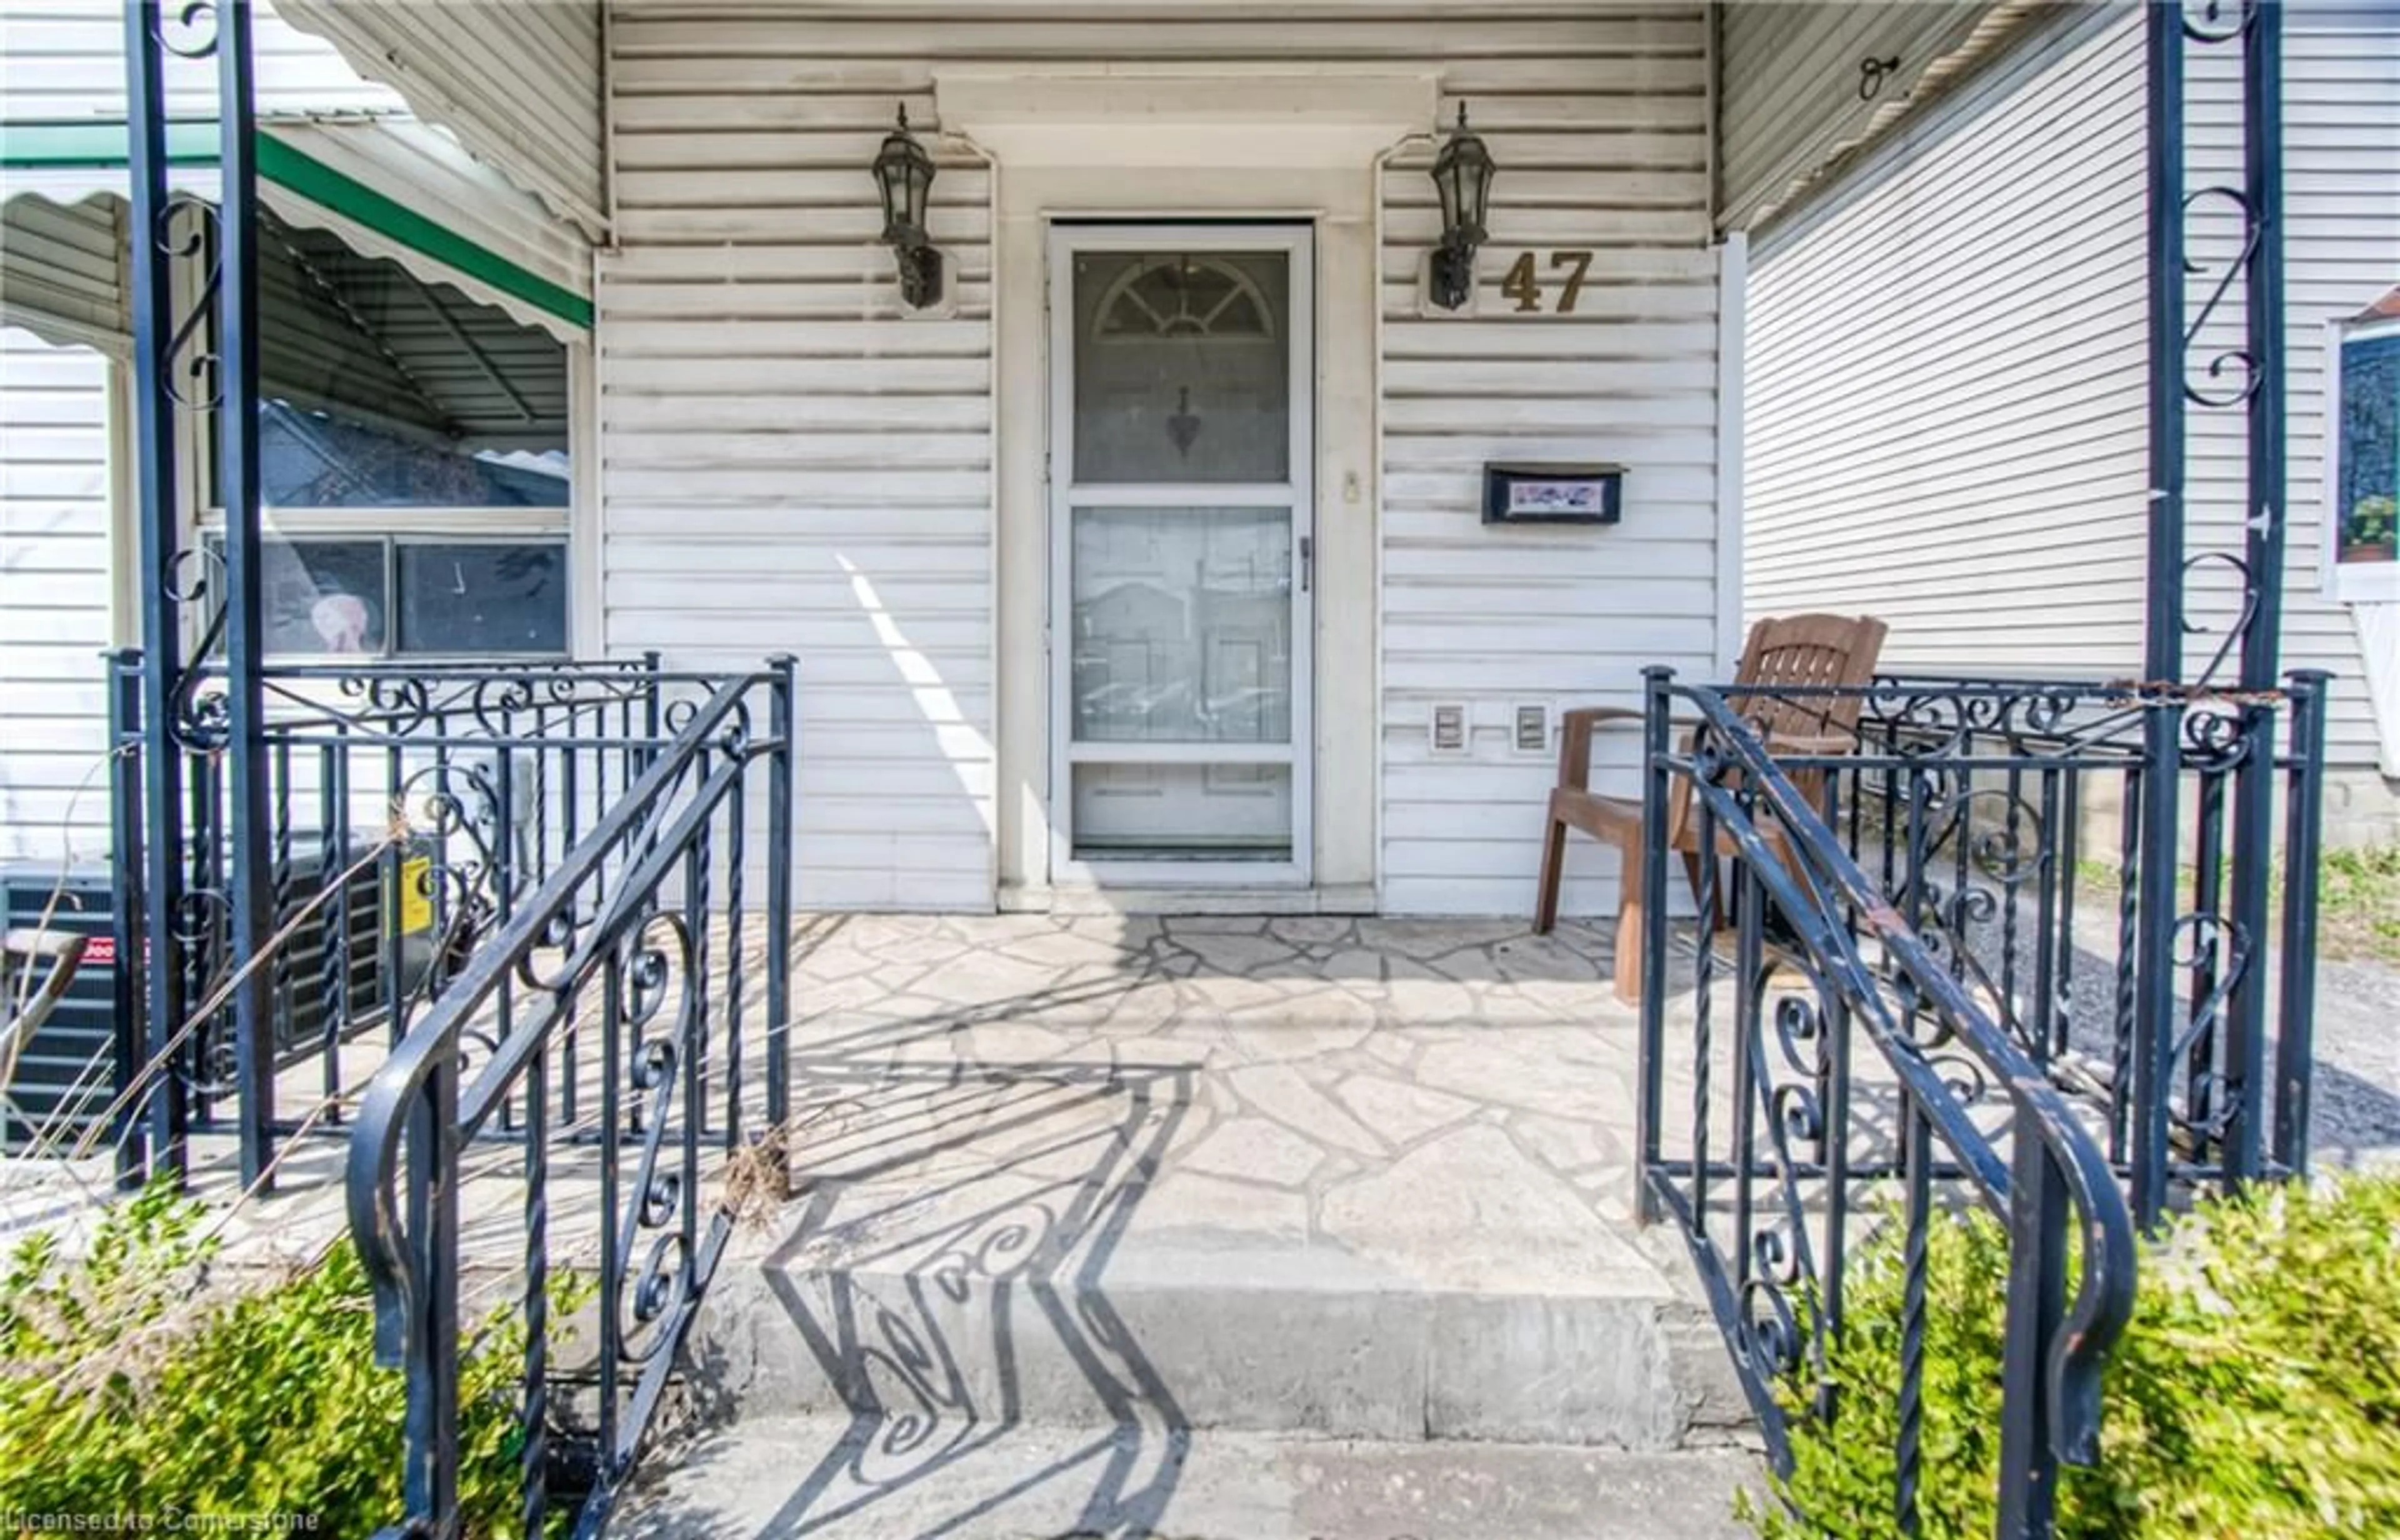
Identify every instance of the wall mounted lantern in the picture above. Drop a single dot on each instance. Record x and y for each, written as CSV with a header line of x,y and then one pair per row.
x,y
1462,176
903,173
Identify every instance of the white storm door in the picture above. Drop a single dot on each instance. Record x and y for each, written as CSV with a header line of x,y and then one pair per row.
x,y
1182,410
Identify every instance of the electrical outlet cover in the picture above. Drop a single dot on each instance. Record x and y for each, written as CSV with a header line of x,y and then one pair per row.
x,y
1448,727
1529,726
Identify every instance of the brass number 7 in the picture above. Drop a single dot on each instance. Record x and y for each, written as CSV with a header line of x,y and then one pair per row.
x,y
1581,263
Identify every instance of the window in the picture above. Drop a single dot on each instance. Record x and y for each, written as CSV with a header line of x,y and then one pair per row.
x,y
414,469
2366,463
410,596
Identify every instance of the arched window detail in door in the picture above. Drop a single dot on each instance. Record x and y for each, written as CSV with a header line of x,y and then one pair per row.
x,y
1189,294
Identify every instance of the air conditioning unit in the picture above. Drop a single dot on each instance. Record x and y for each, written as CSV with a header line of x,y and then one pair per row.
x,y
65,1073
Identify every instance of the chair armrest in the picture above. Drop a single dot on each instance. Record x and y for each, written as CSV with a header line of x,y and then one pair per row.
x,y
1574,736
1808,743
1574,740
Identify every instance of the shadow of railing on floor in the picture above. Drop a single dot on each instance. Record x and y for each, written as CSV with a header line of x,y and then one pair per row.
x,y
1031,1175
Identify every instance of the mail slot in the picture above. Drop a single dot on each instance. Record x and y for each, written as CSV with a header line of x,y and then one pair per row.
x,y
1553,494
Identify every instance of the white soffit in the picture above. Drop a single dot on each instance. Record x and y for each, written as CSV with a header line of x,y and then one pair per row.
x,y
1134,117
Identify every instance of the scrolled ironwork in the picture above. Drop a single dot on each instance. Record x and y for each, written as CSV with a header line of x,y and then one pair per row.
x,y
601,969
2247,607
2217,20
2215,362
186,234
1885,981
192,30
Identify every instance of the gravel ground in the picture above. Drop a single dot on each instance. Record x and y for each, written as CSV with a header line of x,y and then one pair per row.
x,y
2355,1110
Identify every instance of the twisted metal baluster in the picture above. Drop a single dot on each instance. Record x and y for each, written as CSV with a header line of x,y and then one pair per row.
x,y
1703,987
2129,931
1749,1024
2054,921
2030,1032
1917,1135
535,1467
696,904
734,1001
283,899
2202,1079
332,864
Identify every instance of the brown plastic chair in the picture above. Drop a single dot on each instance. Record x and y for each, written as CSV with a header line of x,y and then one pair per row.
x,y
1802,650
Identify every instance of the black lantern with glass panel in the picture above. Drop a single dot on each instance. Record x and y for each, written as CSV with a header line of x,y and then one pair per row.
x,y
1462,177
903,173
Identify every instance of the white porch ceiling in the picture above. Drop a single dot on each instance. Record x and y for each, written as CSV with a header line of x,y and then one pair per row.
x,y
1804,88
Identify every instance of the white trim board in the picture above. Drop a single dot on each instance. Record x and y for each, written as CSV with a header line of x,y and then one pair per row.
x,y
1175,117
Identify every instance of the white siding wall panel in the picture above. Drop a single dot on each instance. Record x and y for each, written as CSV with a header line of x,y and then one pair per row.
x,y
1947,372
792,464
1494,617
54,598
1948,360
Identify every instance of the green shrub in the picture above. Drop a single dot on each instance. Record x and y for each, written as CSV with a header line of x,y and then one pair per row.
x,y
134,1380
2254,1397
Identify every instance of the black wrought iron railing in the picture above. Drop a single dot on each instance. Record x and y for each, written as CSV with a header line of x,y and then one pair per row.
x,y
1927,972
581,1080
408,808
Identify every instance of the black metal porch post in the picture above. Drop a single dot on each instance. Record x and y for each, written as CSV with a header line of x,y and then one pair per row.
x,y
2264,523
253,919
2162,630
156,401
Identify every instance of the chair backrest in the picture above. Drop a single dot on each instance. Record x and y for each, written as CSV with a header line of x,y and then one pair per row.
x,y
1825,651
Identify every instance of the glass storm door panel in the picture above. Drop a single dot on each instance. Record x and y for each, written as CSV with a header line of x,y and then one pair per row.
x,y
1182,416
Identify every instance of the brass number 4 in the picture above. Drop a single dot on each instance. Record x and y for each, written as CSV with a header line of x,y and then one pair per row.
x,y
1581,263
1521,284
1526,290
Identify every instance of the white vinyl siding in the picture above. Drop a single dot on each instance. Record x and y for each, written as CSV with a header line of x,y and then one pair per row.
x,y
1948,357
1604,150
54,598
793,464
1946,378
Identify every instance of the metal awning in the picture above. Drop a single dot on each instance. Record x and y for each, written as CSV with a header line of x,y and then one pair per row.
x,y
389,187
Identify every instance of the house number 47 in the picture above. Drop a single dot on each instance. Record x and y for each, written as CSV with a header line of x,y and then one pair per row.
x,y
1524,285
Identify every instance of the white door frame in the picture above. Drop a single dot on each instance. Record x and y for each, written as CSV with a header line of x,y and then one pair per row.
x,y
1297,242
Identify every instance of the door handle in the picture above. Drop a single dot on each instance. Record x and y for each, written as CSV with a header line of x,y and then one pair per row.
x,y
1307,563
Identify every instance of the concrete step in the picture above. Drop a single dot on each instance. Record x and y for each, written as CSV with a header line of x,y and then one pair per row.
x,y
1307,1340
835,1478
1115,1235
